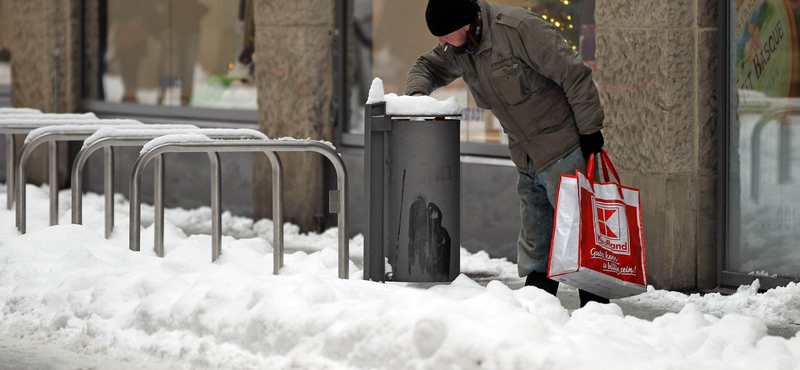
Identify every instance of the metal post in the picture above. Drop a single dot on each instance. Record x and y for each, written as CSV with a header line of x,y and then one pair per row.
x,y
277,212
21,193
158,204
52,151
136,203
377,124
108,185
344,245
216,206
77,191
11,162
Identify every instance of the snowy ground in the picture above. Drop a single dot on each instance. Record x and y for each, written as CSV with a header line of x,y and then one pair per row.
x,y
76,300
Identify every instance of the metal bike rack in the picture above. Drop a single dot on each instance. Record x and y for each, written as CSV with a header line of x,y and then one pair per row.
x,y
23,124
130,138
213,148
51,135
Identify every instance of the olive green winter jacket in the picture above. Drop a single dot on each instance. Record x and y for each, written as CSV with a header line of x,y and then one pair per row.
x,y
530,78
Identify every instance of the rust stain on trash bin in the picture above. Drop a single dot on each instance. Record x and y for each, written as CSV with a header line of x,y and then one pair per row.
x,y
428,240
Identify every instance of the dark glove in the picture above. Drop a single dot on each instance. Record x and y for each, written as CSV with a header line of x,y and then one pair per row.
x,y
591,143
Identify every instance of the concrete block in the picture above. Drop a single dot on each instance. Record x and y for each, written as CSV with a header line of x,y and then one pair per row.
x,y
707,13
681,224
652,191
668,216
707,81
32,64
645,14
294,13
707,232
646,80
293,78
289,80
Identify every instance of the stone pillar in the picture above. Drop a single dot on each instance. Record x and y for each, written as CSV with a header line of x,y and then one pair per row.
x,y
295,87
656,72
45,62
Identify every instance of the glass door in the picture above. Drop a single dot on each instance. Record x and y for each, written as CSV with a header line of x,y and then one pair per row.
x,y
764,139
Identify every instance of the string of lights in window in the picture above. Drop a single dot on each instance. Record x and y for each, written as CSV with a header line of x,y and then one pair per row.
x,y
559,13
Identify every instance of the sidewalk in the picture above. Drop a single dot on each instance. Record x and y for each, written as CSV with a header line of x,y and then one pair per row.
x,y
569,299
20,354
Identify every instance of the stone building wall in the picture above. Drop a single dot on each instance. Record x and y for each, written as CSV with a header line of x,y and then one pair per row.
x,y
656,71
46,39
295,86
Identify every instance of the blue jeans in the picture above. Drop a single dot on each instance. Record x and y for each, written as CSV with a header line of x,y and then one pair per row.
x,y
538,191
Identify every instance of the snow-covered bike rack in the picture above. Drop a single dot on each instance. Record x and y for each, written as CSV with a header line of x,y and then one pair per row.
x,y
51,135
110,137
22,121
190,144
9,110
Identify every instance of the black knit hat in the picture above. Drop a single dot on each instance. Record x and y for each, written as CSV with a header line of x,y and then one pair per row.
x,y
446,16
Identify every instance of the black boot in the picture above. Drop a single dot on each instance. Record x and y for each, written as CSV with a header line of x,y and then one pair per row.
x,y
587,297
540,280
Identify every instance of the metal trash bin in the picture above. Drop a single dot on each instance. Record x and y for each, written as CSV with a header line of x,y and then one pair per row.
x,y
413,181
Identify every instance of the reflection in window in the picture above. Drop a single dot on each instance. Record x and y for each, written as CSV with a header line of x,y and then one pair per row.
x,y
765,130
180,52
390,35
5,42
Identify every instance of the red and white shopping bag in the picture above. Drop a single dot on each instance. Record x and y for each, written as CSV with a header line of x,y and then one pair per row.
x,y
598,243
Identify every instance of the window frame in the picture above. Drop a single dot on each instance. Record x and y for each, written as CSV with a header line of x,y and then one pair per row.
x,y
727,230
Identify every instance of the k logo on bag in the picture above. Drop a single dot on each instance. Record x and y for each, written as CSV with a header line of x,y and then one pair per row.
x,y
611,227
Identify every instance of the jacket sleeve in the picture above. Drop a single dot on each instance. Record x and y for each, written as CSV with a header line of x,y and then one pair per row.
x,y
431,71
549,54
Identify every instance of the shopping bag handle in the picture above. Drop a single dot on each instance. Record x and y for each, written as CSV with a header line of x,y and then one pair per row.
x,y
605,165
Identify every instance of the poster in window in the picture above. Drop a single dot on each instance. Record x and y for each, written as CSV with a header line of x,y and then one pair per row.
x,y
767,56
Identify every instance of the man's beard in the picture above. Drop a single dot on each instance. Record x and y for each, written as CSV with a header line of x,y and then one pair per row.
x,y
469,46
460,50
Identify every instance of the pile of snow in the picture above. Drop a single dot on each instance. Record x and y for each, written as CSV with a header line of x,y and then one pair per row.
x,y
55,118
776,306
28,111
208,135
412,105
174,139
87,127
68,287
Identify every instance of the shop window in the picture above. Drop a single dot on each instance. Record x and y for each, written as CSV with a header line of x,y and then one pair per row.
x,y
390,35
196,53
764,130
5,42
